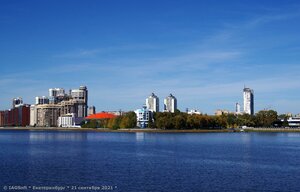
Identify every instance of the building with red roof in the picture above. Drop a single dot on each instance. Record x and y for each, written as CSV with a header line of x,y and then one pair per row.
x,y
99,116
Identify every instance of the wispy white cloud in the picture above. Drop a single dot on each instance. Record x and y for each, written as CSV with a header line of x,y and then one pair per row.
x,y
93,52
207,74
269,18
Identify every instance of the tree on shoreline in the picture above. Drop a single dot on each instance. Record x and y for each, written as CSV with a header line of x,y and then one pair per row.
x,y
127,120
180,120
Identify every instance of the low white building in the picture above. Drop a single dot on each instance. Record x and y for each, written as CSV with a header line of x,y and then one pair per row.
x,y
143,116
294,121
67,120
194,111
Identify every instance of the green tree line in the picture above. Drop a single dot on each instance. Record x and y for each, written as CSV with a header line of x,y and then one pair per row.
x,y
124,121
180,120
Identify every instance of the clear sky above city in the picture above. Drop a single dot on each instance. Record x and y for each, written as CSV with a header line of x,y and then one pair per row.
x,y
203,52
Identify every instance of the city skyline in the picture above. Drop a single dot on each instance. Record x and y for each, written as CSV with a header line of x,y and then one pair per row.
x,y
202,52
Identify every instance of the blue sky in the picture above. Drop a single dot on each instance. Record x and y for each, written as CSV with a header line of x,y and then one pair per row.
x,y
203,52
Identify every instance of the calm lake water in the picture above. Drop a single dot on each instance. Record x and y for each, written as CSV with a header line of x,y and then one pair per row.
x,y
151,161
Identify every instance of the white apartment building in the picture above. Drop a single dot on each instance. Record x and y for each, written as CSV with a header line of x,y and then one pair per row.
x,y
80,95
248,101
170,104
41,100
33,116
152,103
56,92
143,116
67,120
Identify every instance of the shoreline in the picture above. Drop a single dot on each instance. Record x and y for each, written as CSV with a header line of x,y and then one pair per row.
x,y
136,130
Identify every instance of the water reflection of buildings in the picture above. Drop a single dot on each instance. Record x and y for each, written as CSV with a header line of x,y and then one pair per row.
x,y
140,136
246,139
57,136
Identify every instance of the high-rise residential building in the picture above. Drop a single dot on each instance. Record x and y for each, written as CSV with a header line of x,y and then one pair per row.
x,y
33,116
41,100
80,96
17,116
57,95
47,111
56,92
248,101
17,102
237,108
47,115
170,104
2,118
92,110
152,103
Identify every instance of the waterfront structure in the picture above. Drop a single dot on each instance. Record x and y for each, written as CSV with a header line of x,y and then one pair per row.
x,y
46,112
41,100
33,116
102,115
81,99
152,103
170,104
73,106
248,101
143,116
17,116
67,120
294,121
47,115
92,110
2,118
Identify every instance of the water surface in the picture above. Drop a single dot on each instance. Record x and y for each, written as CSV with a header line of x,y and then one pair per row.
x,y
152,161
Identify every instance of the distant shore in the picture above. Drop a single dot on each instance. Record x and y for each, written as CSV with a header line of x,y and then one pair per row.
x,y
263,129
112,130
152,130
